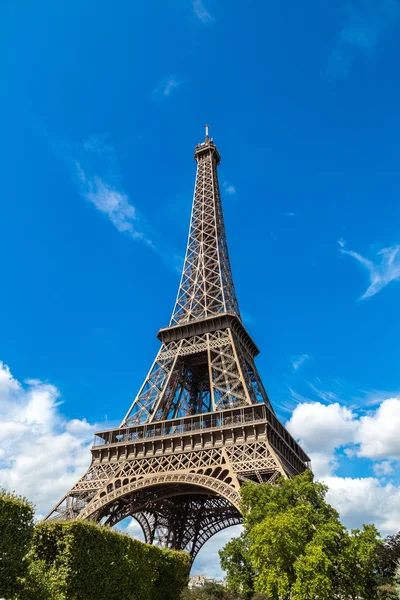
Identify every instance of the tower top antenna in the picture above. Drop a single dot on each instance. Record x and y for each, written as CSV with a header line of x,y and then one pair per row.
x,y
207,137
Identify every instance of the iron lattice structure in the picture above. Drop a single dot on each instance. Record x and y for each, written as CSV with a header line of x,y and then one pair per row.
x,y
202,422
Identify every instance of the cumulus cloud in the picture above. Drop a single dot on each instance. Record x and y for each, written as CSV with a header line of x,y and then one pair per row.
x,y
322,427
365,500
332,434
321,430
43,454
366,23
379,432
382,271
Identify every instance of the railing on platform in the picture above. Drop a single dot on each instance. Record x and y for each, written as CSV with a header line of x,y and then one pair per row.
x,y
194,423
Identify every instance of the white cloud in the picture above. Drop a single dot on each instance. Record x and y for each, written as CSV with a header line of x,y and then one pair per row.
x,y
111,202
380,273
299,360
384,468
365,500
135,530
366,23
166,86
104,191
379,433
43,454
99,182
9,387
201,12
321,430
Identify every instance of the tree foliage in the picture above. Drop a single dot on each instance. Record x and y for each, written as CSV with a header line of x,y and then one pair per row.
x,y
388,557
79,560
235,560
82,560
294,546
16,529
397,580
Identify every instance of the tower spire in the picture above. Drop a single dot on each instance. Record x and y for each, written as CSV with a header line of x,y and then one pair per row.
x,y
206,288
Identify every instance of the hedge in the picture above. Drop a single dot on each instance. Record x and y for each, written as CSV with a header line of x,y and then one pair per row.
x,y
16,529
78,560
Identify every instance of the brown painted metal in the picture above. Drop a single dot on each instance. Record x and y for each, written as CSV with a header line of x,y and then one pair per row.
x,y
202,422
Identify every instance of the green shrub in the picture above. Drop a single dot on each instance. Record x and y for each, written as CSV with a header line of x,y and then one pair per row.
x,y
16,528
82,561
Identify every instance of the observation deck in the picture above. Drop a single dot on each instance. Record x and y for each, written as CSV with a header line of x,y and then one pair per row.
x,y
207,430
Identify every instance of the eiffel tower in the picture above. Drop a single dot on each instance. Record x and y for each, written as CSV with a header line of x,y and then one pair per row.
x,y
202,422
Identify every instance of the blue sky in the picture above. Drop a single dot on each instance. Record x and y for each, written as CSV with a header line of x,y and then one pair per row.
x,y
102,105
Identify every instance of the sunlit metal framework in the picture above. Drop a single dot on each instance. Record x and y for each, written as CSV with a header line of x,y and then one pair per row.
x,y
202,422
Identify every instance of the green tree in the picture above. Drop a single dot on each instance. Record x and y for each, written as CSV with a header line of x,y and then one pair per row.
x,y
80,560
296,548
388,557
16,530
397,580
235,560
41,582
359,554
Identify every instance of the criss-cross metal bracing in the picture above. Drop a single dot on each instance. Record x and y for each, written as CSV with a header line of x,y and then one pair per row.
x,y
206,287
200,373
202,422
214,368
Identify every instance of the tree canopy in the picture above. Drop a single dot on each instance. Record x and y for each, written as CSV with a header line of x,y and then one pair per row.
x,y
79,560
16,530
388,558
294,546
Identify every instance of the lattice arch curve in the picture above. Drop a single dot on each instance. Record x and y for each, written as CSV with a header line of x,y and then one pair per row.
x,y
209,483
